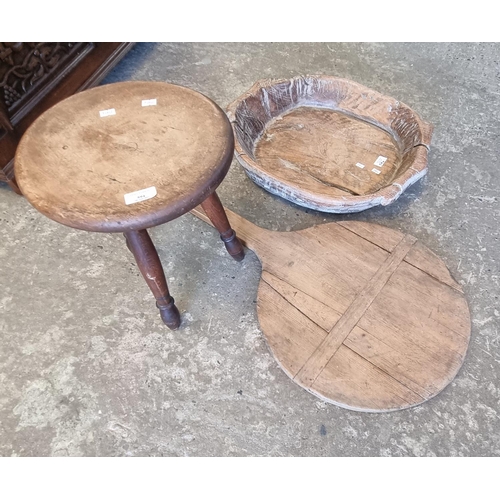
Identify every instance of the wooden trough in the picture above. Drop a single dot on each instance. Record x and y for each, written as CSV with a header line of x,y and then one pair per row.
x,y
328,143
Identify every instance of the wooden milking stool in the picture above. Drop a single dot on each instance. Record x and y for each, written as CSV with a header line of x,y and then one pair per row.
x,y
126,157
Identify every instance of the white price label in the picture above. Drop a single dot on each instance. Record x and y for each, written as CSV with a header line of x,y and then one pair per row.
x,y
149,102
376,171
379,162
107,112
360,165
142,195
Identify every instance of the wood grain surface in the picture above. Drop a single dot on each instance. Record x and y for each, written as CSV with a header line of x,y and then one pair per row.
x,y
358,314
75,166
321,149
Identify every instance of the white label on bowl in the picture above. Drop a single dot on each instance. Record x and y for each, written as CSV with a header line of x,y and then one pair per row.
x,y
379,162
376,171
360,165
107,112
149,102
142,195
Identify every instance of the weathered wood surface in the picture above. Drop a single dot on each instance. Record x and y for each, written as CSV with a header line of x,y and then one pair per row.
x,y
315,141
75,166
358,314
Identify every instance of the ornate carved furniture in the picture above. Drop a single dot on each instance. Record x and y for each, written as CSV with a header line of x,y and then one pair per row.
x,y
36,75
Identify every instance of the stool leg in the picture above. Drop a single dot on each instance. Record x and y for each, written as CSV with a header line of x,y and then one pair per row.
x,y
146,256
215,212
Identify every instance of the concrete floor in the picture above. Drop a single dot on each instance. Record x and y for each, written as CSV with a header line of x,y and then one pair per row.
x,y
86,366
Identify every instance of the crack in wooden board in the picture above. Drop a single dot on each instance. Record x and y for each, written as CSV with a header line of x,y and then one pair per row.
x,y
322,314
419,256
356,384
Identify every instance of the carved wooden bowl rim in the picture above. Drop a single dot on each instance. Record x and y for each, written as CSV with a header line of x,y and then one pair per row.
x,y
334,203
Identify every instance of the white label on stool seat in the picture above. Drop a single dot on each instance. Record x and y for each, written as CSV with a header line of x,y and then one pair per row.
x,y
379,162
142,195
107,112
376,171
149,102
360,165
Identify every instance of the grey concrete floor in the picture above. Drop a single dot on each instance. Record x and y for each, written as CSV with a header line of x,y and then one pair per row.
x,y
87,367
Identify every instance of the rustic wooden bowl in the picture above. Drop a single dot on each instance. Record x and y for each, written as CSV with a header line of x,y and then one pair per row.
x,y
328,143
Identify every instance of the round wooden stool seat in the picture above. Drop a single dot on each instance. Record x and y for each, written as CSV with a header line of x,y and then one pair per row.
x,y
80,158
125,157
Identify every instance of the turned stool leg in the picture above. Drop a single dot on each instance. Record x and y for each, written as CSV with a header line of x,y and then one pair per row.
x,y
140,244
215,212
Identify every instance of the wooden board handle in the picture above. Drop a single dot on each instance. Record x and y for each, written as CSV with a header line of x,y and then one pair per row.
x,y
198,212
249,234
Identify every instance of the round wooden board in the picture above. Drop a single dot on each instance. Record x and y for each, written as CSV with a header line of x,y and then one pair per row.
x,y
358,314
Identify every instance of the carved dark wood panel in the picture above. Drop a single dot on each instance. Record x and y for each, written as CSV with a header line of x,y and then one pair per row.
x,y
36,75
28,67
